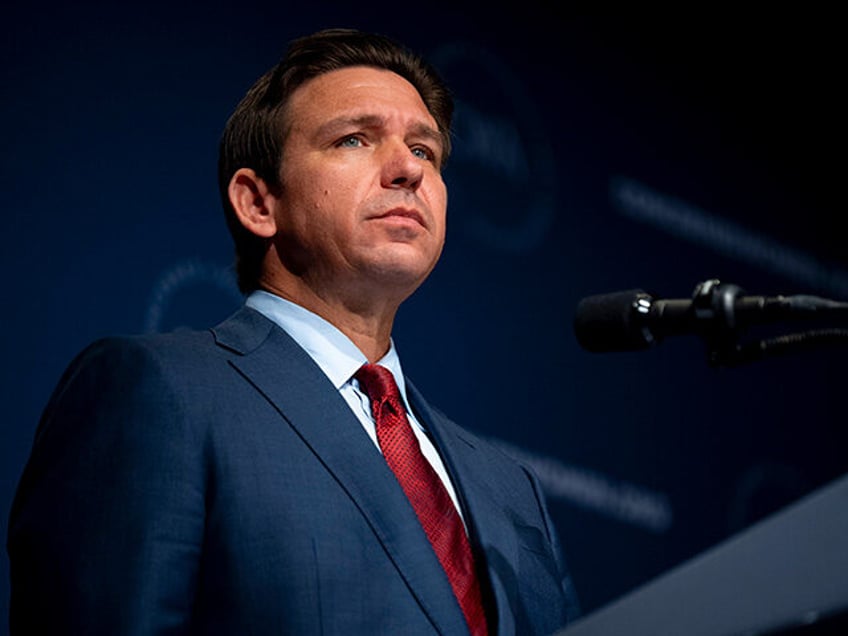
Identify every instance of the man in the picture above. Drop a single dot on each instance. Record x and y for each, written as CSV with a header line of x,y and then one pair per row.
x,y
247,480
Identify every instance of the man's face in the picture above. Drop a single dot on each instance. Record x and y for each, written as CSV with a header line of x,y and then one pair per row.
x,y
363,203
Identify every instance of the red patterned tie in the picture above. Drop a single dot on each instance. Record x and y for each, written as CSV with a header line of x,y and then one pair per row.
x,y
425,491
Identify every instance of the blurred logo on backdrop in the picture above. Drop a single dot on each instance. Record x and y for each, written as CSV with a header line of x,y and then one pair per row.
x,y
192,294
501,174
637,201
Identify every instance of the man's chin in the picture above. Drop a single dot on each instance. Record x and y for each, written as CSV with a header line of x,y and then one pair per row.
x,y
400,270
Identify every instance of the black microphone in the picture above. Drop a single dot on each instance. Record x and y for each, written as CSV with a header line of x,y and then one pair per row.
x,y
633,320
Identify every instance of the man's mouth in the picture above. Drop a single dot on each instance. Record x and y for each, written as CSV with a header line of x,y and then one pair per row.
x,y
403,213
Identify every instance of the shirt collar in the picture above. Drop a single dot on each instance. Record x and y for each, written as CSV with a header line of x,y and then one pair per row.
x,y
331,350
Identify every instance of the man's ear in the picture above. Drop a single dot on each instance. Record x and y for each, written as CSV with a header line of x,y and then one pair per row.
x,y
253,202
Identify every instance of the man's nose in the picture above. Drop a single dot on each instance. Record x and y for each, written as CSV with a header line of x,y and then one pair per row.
x,y
401,168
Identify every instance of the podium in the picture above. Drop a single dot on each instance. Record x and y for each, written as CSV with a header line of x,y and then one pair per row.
x,y
785,575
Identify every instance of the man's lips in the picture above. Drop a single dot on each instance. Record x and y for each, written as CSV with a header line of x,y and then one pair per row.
x,y
403,213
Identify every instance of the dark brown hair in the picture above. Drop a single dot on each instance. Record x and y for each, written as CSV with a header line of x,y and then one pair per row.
x,y
256,131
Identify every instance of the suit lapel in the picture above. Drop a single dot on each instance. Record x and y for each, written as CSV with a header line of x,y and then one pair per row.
x,y
492,534
288,378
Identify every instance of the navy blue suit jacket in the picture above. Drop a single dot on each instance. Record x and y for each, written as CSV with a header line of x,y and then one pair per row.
x,y
217,483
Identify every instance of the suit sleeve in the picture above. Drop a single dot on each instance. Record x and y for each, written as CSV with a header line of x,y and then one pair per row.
x,y
106,529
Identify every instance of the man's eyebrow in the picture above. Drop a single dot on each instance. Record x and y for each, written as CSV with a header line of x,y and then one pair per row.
x,y
427,132
338,124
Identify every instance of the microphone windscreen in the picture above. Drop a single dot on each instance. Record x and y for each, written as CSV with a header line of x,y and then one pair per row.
x,y
609,322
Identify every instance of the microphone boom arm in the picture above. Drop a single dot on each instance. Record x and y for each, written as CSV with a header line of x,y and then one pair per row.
x,y
717,312
726,312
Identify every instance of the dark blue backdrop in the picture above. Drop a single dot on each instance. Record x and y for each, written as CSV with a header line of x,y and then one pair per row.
x,y
592,155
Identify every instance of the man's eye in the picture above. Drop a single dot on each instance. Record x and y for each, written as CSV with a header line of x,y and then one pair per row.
x,y
423,153
351,141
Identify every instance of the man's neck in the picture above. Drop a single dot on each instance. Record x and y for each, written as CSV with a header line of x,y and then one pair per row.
x,y
368,325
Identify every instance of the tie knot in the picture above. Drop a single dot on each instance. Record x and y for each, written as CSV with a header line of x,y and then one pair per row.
x,y
379,384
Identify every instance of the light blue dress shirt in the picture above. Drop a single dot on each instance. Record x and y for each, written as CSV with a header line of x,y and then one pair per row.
x,y
339,358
